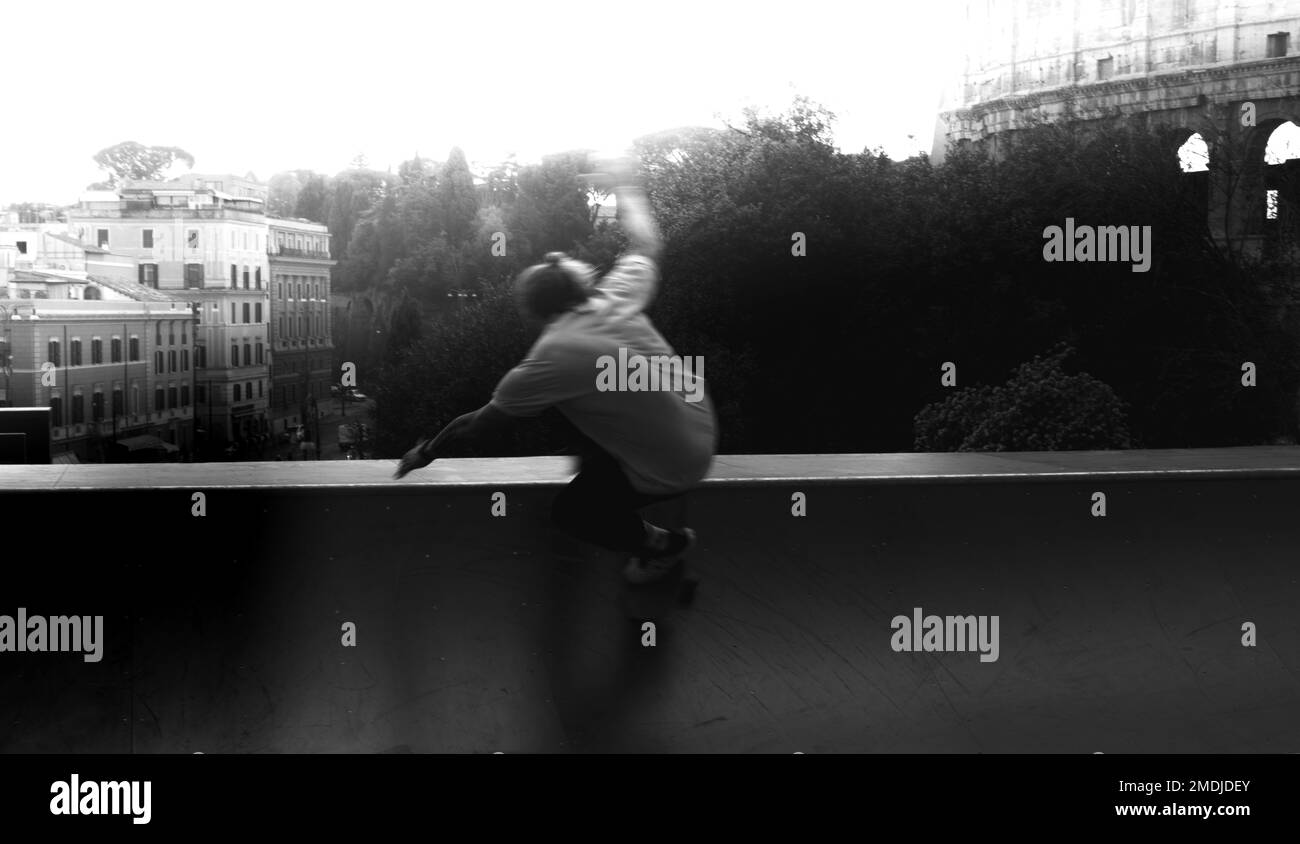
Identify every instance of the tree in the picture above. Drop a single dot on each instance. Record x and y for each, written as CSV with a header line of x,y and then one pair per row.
x,y
313,199
458,198
282,194
1040,409
131,161
550,211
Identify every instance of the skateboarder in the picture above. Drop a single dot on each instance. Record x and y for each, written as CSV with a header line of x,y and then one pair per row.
x,y
637,446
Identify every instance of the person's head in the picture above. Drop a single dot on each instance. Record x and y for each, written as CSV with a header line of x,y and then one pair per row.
x,y
553,287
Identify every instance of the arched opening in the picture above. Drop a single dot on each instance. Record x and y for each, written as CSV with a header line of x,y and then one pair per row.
x,y
92,293
1281,188
1194,167
1194,155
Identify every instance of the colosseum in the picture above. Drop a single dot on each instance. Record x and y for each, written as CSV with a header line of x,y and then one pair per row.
x,y
1226,73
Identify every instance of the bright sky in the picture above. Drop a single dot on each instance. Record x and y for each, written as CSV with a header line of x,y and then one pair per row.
x,y
277,85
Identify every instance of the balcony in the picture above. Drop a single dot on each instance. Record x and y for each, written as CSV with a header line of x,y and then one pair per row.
x,y
487,632
289,252
139,211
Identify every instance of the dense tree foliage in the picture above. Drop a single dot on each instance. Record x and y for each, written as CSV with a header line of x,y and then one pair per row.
x,y
826,290
130,160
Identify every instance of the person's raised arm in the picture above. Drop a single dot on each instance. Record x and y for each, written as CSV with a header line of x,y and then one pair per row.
x,y
620,175
634,215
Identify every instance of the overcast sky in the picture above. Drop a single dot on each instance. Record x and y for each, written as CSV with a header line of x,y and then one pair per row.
x,y
276,85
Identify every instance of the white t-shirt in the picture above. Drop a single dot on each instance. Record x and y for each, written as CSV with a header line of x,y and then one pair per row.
x,y
606,368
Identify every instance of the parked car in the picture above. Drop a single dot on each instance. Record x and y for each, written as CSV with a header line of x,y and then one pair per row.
x,y
357,395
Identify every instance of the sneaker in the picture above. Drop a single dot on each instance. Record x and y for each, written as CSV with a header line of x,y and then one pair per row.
x,y
647,567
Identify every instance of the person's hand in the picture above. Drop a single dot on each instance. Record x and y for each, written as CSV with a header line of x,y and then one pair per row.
x,y
611,172
423,453
416,458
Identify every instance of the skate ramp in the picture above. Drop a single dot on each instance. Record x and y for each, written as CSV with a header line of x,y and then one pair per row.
x,y
478,630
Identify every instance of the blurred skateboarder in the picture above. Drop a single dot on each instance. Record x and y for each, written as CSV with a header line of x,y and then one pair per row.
x,y
638,443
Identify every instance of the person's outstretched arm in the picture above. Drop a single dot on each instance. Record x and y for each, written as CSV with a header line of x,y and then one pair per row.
x,y
486,422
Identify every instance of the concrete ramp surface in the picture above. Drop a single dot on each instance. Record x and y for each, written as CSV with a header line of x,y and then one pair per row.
x,y
226,615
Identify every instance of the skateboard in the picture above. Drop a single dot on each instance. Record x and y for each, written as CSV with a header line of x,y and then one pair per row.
x,y
652,601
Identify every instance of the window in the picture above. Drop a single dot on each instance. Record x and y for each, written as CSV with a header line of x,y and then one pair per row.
x,y
158,361
259,389
118,410
248,390
185,332
53,353
149,275
193,275
234,276
200,394
237,393
185,360
1105,68
76,352
101,237
247,311
248,355
158,398
171,333
171,361
135,347
281,323
171,398
135,398
185,395
97,406
192,238
146,238
200,357
22,247
232,313
78,409
157,333
96,350
257,313
259,352
245,277
115,350
1277,44
56,410
257,276
234,355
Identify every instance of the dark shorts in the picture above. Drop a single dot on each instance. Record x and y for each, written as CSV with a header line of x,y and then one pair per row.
x,y
600,505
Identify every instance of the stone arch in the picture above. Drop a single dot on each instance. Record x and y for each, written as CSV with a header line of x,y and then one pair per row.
x,y
1270,192
1193,154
